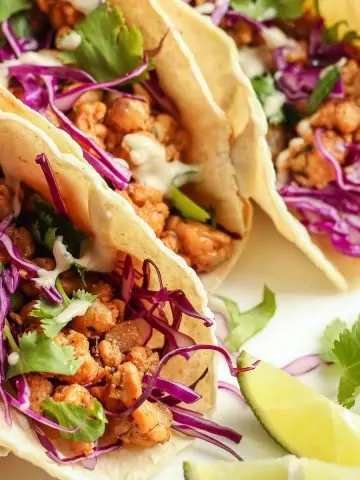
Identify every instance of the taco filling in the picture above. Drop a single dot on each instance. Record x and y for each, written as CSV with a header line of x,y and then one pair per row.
x,y
78,354
306,75
61,60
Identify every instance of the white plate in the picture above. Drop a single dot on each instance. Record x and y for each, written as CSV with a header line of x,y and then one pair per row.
x,y
306,303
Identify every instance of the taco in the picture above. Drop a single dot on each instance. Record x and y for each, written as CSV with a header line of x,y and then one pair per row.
x,y
306,75
103,331
130,94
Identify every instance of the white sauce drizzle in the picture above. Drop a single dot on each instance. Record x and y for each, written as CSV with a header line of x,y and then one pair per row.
x,y
13,358
75,309
85,6
294,469
150,158
251,61
71,41
64,261
27,58
273,103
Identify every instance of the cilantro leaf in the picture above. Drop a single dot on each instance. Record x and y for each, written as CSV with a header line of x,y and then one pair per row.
x,y
55,317
37,353
70,415
50,224
346,352
282,9
331,333
265,87
108,48
10,7
244,325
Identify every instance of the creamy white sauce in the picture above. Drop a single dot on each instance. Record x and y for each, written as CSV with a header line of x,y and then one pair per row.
x,y
85,6
64,261
71,41
276,38
251,61
206,8
75,309
27,58
13,358
150,158
274,103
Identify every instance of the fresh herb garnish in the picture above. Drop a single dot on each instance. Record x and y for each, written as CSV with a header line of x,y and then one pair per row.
x,y
331,333
91,421
37,353
187,208
50,224
323,88
265,87
51,315
345,353
108,48
259,9
244,325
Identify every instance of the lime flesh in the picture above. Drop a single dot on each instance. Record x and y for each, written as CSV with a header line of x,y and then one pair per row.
x,y
298,418
286,468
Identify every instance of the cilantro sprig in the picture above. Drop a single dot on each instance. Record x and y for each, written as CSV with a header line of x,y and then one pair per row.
x,y
108,48
50,224
91,421
259,9
54,318
37,353
341,345
244,325
264,86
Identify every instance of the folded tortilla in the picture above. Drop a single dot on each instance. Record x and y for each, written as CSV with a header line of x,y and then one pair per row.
x,y
217,56
110,221
208,126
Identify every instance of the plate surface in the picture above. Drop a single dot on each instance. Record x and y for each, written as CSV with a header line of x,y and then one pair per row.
x,y
306,303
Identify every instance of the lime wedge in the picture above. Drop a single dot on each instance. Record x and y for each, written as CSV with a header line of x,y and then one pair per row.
x,y
274,469
286,468
298,418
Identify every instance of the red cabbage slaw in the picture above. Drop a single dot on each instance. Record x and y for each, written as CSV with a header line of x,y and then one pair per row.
x,y
332,211
152,304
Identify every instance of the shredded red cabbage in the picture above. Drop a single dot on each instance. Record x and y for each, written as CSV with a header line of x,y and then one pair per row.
x,y
4,310
23,393
11,38
179,351
305,364
64,72
297,82
118,175
57,457
11,277
25,44
322,53
66,100
193,432
30,268
174,389
186,417
52,184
